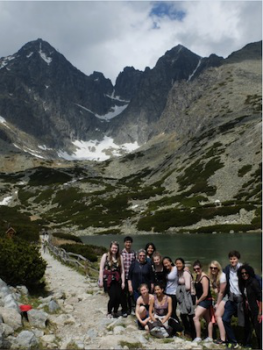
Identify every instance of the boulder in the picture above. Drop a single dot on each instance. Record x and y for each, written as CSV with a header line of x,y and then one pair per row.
x,y
11,317
10,302
25,340
22,289
6,330
53,306
37,318
2,283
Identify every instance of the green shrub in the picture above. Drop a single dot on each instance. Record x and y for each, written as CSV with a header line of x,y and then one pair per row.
x,y
67,236
20,263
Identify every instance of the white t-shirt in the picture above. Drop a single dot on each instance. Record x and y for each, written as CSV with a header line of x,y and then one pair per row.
x,y
222,278
233,280
171,281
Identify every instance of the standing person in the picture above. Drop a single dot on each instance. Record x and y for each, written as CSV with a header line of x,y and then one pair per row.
x,y
184,295
218,286
203,302
158,269
129,257
234,304
150,249
112,277
252,303
142,306
171,282
140,272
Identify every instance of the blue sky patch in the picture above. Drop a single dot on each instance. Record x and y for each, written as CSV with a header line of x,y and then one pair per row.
x,y
167,9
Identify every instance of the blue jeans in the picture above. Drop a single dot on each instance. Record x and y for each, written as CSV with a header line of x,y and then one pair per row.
x,y
230,310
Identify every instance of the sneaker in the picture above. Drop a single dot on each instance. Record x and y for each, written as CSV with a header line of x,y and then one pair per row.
x,y
124,315
197,339
219,341
233,346
208,340
109,316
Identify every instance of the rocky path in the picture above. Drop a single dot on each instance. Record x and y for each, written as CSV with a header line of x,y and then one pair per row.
x,y
81,323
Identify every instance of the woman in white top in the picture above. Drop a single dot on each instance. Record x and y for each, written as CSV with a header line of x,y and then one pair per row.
x,y
171,283
218,285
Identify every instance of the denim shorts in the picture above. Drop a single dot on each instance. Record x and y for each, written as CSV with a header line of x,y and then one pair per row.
x,y
205,304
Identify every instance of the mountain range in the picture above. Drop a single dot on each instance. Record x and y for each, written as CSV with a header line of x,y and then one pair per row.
x,y
172,140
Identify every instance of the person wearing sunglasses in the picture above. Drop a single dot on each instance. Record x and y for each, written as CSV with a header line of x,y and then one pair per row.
x,y
218,285
252,303
203,303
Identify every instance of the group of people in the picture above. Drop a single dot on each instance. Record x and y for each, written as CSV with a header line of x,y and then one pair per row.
x,y
152,287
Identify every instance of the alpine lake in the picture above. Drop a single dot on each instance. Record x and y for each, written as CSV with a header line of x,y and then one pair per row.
x,y
204,247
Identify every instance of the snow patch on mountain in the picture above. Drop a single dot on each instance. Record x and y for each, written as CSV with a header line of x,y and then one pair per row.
x,y
98,150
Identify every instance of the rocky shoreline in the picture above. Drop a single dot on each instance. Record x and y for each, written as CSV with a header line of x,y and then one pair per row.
x,y
72,316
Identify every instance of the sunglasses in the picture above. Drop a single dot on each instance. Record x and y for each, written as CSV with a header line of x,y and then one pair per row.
x,y
213,268
197,269
244,273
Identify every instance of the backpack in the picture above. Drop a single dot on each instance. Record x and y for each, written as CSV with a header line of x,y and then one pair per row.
x,y
259,279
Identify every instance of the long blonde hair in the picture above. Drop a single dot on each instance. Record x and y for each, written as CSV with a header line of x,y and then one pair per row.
x,y
215,279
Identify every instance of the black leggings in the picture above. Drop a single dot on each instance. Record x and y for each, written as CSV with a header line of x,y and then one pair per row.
x,y
188,322
174,305
115,296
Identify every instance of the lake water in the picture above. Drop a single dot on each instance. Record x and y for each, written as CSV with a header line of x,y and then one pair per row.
x,y
195,246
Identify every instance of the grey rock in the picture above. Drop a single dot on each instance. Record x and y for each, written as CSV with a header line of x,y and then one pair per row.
x,y
37,318
6,330
23,290
2,284
53,306
91,334
25,340
10,302
11,317
4,291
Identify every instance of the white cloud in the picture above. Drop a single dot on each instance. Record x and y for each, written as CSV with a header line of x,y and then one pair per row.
x,y
106,36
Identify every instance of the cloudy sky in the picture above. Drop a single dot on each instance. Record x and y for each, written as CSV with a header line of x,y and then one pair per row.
x,y
106,36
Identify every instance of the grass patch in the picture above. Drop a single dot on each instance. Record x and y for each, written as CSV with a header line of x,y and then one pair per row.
x,y
46,176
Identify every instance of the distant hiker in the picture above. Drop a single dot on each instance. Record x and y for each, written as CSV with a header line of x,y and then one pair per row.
x,y
112,277
129,257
